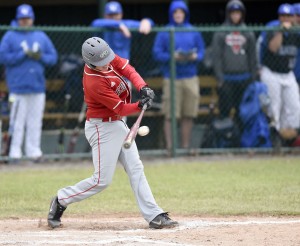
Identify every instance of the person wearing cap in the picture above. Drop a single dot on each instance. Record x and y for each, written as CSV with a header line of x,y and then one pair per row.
x,y
108,100
25,54
119,35
189,51
279,51
234,61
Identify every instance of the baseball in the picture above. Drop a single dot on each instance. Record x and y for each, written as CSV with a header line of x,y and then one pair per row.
x,y
143,130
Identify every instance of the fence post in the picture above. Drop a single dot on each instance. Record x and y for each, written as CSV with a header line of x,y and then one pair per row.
x,y
172,91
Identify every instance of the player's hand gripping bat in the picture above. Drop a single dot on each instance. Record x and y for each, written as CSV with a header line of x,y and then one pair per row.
x,y
134,129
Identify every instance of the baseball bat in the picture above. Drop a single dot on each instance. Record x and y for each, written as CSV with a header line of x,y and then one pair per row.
x,y
134,129
75,133
61,137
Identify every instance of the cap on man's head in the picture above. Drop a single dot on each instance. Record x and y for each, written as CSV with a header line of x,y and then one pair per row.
x,y
286,9
24,11
113,7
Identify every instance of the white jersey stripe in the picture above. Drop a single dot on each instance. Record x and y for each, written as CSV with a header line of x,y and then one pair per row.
x,y
117,104
93,74
125,64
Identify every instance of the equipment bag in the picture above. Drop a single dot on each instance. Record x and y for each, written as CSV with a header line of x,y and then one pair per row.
x,y
223,133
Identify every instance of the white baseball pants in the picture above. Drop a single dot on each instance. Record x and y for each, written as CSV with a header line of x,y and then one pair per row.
x,y
283,90
26,118
106,140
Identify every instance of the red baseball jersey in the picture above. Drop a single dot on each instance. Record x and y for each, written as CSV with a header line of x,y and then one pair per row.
x,y
106,93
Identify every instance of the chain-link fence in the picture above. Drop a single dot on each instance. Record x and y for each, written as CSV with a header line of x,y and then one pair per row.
x,y
218,123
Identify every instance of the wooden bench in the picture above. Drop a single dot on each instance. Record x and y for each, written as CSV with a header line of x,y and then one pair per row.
x,y
208,92
52,85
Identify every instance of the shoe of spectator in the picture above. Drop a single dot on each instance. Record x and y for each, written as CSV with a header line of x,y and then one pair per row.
x,y
55,212
162,221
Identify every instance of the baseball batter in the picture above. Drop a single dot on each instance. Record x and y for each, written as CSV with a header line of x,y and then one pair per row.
x,y
108,99
279,57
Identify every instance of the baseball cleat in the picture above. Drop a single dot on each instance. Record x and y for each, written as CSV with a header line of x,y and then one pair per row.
x,y
55,212
162,221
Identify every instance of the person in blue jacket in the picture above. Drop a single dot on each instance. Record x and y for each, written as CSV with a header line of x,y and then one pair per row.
x,y
25,53
118,35
189,51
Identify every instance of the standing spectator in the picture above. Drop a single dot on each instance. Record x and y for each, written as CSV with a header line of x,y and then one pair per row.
x,y
189,50
25,53
279,55
297,23
119,36
234,60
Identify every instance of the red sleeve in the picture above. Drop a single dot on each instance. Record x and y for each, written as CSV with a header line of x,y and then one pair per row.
x,y
110,100
128,109
123,67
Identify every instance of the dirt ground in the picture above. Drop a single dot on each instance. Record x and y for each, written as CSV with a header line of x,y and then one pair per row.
x,y
133,230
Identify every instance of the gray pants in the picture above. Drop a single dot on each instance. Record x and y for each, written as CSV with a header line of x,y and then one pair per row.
x,y
106,140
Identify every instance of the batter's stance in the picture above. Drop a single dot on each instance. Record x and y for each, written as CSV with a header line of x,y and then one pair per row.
x,y
108,97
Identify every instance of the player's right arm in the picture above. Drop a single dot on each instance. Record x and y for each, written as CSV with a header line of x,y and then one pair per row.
x,y
11,53
98,91
106,96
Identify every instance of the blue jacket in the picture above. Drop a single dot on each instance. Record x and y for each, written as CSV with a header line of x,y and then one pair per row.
x,y
256,131
184,42
115,38
23,74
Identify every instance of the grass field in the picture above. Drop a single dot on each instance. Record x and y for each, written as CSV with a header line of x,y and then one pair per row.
x,y
267,186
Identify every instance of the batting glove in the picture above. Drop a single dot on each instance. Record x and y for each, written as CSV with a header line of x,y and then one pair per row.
x,y
145,101
147,92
